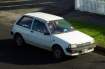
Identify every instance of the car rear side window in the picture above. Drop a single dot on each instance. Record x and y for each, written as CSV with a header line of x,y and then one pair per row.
x,y
39,26
25,21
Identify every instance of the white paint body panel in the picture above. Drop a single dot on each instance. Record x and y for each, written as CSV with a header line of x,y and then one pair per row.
x,y
74,37
44,16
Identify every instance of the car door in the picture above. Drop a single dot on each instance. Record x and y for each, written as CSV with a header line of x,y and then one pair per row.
x,y
40,35
23,26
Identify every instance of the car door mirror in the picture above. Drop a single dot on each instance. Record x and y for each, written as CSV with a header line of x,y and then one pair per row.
x,y
46,33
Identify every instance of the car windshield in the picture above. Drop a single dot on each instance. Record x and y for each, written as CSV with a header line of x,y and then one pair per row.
x,y
59,26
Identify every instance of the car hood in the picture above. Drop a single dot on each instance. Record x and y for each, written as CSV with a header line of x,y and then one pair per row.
x,y
74,37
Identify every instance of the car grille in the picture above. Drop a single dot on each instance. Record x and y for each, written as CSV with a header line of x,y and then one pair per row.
x,y
84,44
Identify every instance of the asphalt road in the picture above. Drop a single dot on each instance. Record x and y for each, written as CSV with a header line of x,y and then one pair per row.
x,y
29,57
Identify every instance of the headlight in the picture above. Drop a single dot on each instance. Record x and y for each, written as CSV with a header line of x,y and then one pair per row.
x,y
93,41
73,46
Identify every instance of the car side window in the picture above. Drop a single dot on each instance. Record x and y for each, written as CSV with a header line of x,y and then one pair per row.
x,y
39,26
25,21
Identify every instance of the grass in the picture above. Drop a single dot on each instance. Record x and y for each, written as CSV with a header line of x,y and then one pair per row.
x,y
96,31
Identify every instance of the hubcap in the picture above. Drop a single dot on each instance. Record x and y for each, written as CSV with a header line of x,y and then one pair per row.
x,y
19,41
58,53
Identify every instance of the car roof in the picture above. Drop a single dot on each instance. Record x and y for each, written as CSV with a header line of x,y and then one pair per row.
x,y
44,16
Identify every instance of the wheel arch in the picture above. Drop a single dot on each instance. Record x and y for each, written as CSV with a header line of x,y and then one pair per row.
x,y
17,33
56,45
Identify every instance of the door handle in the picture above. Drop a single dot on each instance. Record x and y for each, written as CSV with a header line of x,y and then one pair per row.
x,y
31,31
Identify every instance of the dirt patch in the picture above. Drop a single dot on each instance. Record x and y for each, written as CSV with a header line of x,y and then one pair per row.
x,y
7,17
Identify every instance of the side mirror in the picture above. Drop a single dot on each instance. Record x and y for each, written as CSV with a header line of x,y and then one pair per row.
x,y
46,33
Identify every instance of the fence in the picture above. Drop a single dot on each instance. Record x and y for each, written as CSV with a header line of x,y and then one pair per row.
x,y
94,6
50,6
19,4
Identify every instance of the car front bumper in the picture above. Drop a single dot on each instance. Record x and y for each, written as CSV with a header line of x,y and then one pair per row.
x,y
79,51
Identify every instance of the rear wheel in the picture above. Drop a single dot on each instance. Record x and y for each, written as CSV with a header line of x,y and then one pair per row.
x,y
58,52
19,40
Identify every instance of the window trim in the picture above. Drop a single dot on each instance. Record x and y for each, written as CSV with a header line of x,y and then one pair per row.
x,y
41,22
22,18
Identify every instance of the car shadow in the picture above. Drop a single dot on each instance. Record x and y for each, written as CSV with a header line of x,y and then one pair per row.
x,y
27,55
100,50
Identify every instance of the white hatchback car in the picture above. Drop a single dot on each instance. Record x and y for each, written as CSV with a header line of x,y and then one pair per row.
x,y
52,33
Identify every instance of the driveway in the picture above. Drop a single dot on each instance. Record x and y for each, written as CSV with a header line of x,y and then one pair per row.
x,y
29,57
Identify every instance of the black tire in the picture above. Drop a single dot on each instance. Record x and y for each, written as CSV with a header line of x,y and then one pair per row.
x,y
58,52
19,40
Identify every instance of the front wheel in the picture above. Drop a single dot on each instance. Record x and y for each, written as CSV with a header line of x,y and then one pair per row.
x,y
58,52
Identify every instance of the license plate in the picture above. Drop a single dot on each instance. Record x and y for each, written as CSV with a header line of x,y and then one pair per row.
x,y
84,50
